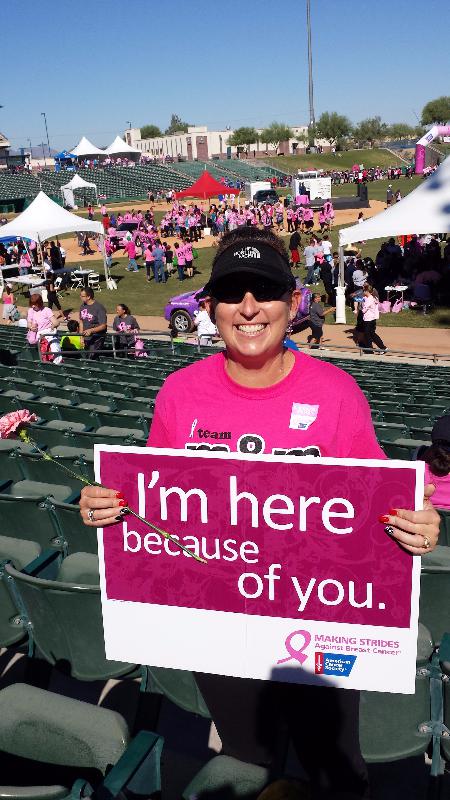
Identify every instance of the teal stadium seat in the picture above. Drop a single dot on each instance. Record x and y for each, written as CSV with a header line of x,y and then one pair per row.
x,y
72,738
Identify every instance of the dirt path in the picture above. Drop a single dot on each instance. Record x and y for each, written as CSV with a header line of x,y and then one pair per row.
x,y
345,217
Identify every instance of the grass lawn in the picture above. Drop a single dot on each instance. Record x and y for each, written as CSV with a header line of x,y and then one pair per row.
x,y
378,157
149,299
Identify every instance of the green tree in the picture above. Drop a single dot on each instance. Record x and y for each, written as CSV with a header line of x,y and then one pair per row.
x,y
176,124
370,130
150,131
333,126
275,133
401,130
436,111
243,136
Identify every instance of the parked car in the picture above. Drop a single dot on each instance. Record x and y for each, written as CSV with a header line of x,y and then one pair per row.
x,y
181,309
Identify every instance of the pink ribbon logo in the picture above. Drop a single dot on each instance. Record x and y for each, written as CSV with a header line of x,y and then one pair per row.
x,y
297,654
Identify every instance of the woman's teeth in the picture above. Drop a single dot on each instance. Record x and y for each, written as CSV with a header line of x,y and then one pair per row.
x,y
251,330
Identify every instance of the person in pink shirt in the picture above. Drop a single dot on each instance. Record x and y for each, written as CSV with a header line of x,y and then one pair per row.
x,y
437,462
149,261
181,258
308,218
188,259
130,249
248,392
371,312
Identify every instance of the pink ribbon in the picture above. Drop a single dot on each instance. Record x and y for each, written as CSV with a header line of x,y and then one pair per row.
x,y
299,653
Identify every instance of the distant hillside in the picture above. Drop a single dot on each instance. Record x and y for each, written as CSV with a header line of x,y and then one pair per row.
x,y
370,158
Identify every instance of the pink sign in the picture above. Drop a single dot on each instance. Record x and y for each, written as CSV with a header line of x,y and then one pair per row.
x,y
296,541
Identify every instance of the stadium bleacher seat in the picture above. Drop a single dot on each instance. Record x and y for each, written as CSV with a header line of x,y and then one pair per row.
x,y
435,592
46,522
72,739
65,617
19,552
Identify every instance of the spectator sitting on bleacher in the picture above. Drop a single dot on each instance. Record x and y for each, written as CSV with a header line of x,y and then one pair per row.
x,y
93,321
437,461
127,326
72,344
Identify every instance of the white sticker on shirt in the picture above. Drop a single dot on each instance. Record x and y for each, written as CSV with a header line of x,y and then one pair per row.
x,y
302,416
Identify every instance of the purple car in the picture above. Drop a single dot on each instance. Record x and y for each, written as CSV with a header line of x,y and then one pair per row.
x,y
181,309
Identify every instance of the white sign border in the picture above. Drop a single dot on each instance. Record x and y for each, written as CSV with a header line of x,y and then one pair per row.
x,y
186,637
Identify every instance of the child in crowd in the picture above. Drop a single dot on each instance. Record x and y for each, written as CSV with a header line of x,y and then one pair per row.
x,y
70,343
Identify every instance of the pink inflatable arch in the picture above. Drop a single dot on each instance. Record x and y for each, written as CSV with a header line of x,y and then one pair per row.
x,y
433,133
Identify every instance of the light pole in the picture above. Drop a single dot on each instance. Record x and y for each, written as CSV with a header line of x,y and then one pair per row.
x,y
312,121
43,114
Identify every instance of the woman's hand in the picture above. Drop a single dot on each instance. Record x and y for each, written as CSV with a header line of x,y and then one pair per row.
x,y
100,507
415,531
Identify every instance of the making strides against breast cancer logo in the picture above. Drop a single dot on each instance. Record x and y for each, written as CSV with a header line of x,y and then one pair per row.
x,y
247,252
302,638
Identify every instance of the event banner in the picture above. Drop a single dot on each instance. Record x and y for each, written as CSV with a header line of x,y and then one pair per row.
x,y
296,579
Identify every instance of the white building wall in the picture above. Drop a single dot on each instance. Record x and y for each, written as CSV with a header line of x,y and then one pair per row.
x,y
178,143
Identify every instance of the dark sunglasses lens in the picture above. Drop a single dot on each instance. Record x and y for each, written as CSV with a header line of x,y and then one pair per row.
x,y
262,291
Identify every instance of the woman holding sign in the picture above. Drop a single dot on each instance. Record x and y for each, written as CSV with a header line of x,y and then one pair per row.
x,y
258,397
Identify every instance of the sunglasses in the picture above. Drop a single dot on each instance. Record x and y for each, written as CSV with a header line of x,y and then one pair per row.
x,y
262,290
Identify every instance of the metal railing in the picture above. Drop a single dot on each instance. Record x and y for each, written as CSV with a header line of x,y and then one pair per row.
x,y
154,339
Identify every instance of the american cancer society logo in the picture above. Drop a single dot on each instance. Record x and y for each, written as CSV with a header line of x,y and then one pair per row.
x,y
333,664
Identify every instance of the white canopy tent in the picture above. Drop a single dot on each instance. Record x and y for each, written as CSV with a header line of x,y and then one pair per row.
x,y
44,218
121,148
85,148
424,210
77,182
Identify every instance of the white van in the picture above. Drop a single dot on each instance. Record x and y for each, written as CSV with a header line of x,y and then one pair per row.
x,y
256,186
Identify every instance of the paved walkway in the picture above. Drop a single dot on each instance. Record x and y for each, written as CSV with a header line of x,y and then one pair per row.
x,y
432,341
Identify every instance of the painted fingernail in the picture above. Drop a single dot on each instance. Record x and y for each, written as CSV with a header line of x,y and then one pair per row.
x,y
389,530
123,503
383,518
118,519
123,511
393,512
119,495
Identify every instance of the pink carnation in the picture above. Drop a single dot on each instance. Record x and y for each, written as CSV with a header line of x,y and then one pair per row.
x,y
10,423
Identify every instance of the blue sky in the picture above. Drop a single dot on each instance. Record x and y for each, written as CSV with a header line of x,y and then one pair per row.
x,y
93,66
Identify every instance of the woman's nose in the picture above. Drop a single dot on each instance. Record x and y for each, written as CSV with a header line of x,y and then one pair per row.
x,y
249,306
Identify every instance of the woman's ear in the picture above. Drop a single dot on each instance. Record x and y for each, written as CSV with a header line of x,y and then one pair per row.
x,y
295,302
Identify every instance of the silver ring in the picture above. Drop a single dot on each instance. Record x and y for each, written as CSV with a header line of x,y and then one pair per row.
x,y
91,515
389,529
426,542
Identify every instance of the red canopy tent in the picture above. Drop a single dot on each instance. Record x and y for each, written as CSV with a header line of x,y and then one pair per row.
x,y
206,186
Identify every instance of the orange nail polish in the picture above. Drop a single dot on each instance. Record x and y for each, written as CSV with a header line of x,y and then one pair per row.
x,y
383,518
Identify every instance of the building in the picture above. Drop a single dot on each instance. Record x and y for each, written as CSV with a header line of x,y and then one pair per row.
x,y
4,150
200,144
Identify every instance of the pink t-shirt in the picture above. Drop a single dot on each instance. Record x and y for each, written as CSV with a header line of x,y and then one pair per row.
x,y
316,410
370,308
181,255
441,497
42,318
130,247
